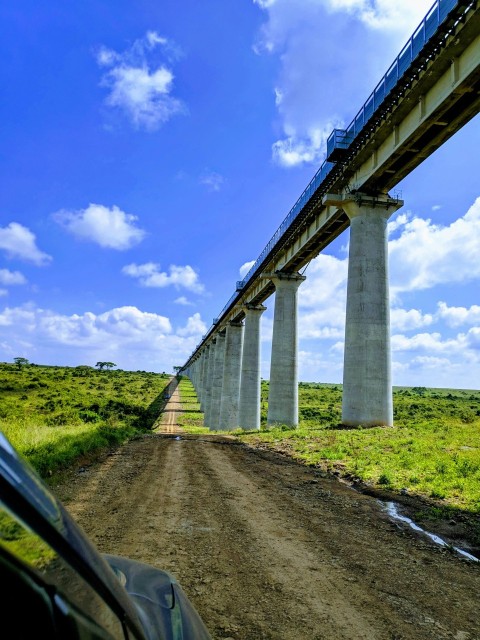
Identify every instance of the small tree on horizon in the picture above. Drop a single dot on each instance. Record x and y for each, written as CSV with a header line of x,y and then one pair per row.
x,y
21,362
105,365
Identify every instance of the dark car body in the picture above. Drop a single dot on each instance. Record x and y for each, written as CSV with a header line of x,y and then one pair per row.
x,y
56,584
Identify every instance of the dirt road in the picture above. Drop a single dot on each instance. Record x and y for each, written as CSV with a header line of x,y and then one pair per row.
x,y
268,549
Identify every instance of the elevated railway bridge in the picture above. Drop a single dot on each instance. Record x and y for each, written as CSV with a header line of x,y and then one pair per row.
x,y
430,91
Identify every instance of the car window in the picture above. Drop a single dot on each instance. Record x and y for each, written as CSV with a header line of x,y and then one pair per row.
x,y
69,593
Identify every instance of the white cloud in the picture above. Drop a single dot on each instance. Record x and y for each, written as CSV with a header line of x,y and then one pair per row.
x,y
8,278
425,254
132,338
406,320
431,342
384,14
140,86
194,327
245,268
297,149
183,301
19,242
326,284
111,228
212,180
314,87
149,275
456,316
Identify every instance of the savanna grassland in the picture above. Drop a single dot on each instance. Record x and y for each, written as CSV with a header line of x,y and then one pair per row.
x,y
432,452
55,415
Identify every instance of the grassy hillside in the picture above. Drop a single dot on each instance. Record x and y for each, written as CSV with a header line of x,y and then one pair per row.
x,y
53,415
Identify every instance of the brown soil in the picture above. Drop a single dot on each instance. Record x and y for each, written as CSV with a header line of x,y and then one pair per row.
x,y
267,548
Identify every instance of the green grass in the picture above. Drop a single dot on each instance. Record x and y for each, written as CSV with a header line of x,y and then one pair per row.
x,y
54,415
191,420
432,451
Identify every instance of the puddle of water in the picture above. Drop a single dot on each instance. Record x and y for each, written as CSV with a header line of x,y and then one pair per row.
x,y
392,510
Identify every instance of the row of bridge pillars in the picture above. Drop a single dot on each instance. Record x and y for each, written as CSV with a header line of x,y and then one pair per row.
x,y
226,373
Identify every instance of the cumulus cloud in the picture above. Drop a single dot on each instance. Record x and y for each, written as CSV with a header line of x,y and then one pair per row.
x,y
426,254
19,242
150,275
194,327
456,316
111,228
326,283
8,278
407,320
245,268
128,336
383,14
139,84
183,301
315,89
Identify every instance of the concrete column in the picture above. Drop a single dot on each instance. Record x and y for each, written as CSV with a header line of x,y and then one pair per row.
x,y
249,405
217,382
231,377
206,351
283,388
208,388
201,360
367,383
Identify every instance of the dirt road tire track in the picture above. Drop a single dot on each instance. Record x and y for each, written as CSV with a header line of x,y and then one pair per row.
x,y
267,549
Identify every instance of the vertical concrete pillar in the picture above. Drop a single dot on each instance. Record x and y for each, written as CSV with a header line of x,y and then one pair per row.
x,y
208,388
217,382
283,387
249,404
200,376
231,377
206,351
367,383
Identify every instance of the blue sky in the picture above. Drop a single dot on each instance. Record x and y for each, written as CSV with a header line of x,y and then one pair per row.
x,y
150,150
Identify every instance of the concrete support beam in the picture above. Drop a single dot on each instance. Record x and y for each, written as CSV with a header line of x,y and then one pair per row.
x,y
217,382
231,377
367,384
283,390
249,404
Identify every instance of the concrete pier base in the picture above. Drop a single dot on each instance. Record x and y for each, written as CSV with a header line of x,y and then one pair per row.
x,y
249,405
283,391
367,384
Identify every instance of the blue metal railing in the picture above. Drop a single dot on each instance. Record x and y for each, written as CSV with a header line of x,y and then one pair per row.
x,y
340,140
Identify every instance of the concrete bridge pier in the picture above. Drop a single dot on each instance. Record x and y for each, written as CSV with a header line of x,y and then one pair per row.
x,y
283,391
217,382
208,388
203,394
231,377
367,384
250,381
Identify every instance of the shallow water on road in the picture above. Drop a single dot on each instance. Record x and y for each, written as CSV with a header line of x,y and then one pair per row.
x,y
392,509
